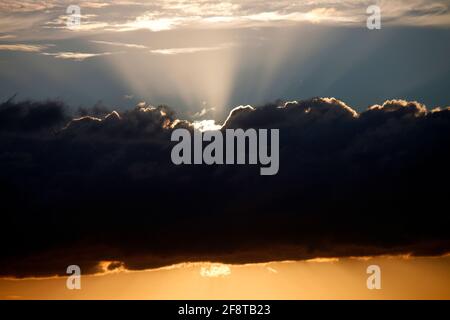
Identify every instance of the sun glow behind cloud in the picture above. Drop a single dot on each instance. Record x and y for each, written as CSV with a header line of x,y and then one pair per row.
x,y
204,67
206,125
324,278
215,270
202,53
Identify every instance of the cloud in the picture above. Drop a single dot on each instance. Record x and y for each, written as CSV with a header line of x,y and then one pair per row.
x,y
10,6
215,270
176,51
100,186
31,116
152,22
168,15
26,6
206,125
120,44
272,270
22,47
86,23
7,36
95,4
203,112
77,56
161,15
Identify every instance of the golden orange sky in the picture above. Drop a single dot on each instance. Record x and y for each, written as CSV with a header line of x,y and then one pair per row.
x,y
402,277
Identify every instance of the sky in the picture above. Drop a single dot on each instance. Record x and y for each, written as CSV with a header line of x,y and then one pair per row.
x,y
86,176
212,56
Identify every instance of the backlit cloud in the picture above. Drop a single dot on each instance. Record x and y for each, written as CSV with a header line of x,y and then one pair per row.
x,y
77,56
99,187
215,270
162,15
22,47
151,21
120,44
175,51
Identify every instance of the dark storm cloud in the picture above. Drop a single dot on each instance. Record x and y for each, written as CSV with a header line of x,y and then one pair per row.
x,y
31,116
102,187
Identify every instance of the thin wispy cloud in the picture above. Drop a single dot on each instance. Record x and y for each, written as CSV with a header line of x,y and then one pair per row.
x,y
76,56
203,112
7,36
22,47
176,51
95,4
24,6
151,21
120,44
67,55
162,15
87,23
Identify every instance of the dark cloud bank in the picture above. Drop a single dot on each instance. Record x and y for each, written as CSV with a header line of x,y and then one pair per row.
x,y
103,187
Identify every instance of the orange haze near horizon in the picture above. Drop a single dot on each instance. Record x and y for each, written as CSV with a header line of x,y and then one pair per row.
x,y
402,277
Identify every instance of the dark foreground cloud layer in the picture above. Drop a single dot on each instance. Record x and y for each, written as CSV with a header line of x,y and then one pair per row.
x,y
102,187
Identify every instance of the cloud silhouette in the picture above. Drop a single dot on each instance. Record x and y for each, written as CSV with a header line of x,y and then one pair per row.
x,y
100,186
